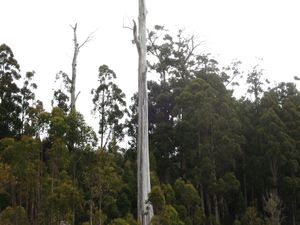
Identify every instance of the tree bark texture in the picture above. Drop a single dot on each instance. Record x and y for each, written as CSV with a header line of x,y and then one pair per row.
x,y
145,211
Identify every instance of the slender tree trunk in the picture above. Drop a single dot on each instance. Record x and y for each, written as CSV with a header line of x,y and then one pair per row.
x,y
202,198
208,205
293,212
91,211
100,208
32,206
252,195
74,184
74,67
52,187
27,199
217,214
39,188
73,213
102,123
215,199
77,47
245,181
224,207
14,203
145,211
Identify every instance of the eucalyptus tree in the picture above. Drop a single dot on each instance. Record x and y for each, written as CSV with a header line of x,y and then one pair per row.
x,y
194,130
28,99
10,97
249,112
22,156
281,103
109,105
173,57
255,82
61,95
208,139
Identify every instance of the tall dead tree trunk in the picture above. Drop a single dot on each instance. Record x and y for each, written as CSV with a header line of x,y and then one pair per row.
x,y
77,47
74,67
145,211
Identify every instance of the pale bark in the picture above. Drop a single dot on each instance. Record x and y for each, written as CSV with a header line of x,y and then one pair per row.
x,y
145,211
77,47
273,207
74,67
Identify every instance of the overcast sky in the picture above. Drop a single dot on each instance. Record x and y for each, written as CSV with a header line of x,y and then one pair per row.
x,y
39,33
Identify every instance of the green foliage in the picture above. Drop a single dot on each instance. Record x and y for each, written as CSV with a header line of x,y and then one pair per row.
x,y
154,179
119,221
99,217
190,196
251,218
109,105
168,193
169,216
157,199
5,173
198,216
254,79
130,220
79,135
187,195
10,216
237,222
10,97
58,157
62,199
60,96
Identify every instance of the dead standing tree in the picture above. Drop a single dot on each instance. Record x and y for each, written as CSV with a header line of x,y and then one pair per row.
x,y
145,211
77,47
74,96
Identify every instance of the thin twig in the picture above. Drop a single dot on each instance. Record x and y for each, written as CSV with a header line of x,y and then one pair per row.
x,y
126,27
88,39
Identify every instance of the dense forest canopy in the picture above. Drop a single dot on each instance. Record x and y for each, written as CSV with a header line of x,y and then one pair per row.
x,y
214,158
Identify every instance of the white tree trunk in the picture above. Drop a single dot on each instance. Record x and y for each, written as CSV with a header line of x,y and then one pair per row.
x,y
77,47
145,211
74,65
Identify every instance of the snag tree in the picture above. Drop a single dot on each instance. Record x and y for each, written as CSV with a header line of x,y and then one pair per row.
x,y
145,211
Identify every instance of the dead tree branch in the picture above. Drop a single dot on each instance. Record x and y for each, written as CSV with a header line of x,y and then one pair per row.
x,y
77,47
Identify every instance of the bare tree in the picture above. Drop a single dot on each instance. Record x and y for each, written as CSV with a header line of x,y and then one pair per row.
x,y
74,96
145,211
77,47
